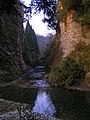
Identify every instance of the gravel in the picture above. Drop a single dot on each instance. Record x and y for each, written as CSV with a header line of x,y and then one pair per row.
x,y
16,111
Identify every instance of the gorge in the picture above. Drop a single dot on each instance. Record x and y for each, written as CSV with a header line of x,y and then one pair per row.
x,y
50,74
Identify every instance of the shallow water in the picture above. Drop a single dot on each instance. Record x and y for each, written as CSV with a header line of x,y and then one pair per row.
x,y
43,103
54,101
59,102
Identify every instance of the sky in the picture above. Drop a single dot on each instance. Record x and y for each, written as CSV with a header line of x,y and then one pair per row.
x,y
37,24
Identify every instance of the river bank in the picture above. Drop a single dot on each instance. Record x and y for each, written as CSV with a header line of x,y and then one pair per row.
x,y
10,110
31,76
79,88
23,84
47,102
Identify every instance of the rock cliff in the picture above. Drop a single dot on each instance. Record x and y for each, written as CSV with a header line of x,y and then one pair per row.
x,y
72,33
11,44
73,40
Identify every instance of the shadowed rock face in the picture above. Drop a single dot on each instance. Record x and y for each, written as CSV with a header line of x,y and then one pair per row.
x,y
11,42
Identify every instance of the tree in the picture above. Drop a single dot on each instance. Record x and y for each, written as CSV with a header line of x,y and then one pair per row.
x,y
49,10
31,49
47,6
81,8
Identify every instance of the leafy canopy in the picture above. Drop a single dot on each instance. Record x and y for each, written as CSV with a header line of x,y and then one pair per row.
x,y
81,8
50,8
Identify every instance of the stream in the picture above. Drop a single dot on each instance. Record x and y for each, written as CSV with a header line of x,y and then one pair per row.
x,y
43,98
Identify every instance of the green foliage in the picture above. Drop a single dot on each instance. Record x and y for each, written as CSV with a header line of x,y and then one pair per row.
x,y
71,4
81,8
49,9
53,14
54,75
48,56
31,49
82,55
67,72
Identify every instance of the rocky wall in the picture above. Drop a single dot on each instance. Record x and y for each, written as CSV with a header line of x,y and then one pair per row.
x,y
71,34
11,45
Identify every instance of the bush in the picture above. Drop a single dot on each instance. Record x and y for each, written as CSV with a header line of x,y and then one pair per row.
x,y
82,54
67,73
54,75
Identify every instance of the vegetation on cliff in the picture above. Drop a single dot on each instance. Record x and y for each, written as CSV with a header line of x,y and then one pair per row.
x,y
31,49
67,72
75,69
46,46
82,55
81,8
48,55
11,42
44,42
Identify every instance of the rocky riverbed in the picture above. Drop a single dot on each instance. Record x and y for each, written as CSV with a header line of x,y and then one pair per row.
x,y
10,110
16,111
38,100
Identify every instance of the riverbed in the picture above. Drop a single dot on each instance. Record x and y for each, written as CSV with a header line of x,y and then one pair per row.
x,y
45,99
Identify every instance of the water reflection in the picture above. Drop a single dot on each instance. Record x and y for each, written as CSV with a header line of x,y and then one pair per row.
x,y
43,103
63,103
71,105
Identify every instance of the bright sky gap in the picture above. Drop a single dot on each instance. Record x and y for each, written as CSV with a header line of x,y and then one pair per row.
x,y
37,24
